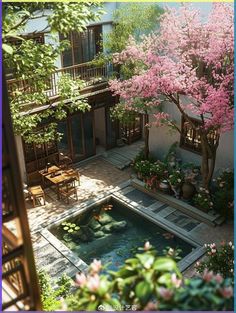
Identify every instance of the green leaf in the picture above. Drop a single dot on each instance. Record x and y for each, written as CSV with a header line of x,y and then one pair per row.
x,y
165,264
146,260
7,48
143,291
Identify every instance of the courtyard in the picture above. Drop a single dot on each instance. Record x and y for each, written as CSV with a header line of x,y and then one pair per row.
x,y
118,159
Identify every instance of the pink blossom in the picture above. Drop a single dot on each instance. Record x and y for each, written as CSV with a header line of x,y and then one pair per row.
x,y
95,266
184,57
93,283
165,293
147,246
208,275
227,292
218,278
80,279
175,281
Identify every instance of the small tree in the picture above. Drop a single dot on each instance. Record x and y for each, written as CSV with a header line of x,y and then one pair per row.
x,y
186,59
35,63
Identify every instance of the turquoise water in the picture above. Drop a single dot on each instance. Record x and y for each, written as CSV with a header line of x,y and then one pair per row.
x,y
116,245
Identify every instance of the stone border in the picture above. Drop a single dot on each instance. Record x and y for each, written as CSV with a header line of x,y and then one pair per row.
x,y
178,204
117,195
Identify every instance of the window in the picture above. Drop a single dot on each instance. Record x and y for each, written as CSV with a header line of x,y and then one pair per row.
x,y
83,46
190,138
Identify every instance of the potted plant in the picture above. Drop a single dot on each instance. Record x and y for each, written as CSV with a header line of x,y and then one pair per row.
x,y
202,200
176,179
142,168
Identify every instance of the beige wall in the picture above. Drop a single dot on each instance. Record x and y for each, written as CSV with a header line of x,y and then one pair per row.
x,y
161,139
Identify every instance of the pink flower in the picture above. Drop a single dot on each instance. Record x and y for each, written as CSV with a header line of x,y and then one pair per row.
x,y
227,292
165,293
150,306
93,283
207,276
80,280
176,282
147,246
95,266
218,278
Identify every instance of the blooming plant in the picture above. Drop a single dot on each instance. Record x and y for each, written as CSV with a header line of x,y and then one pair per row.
x,y
143,167
149,282
176,178
223,197
202,199
219,260
186,56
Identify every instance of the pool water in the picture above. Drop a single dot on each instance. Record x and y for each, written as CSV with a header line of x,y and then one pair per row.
x,y
115,235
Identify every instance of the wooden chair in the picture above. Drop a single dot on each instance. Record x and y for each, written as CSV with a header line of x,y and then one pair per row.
x,y
74,173
64,161
68,188
36,192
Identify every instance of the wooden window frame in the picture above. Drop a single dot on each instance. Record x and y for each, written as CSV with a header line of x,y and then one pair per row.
x,y
98,46
192,146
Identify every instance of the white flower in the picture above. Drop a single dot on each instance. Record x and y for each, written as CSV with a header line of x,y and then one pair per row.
x,y
179,180
211,203
201,188
230,243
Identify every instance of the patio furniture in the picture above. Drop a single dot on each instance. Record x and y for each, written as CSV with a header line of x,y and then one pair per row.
x,y
64,161
74,173
36,192
60,176
68,188
48,171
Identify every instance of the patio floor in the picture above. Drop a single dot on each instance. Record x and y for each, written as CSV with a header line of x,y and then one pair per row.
x,y
98,176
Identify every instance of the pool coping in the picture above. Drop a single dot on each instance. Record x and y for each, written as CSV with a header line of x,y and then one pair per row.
x,y
120,197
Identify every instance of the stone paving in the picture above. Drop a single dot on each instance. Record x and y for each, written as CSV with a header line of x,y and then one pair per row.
x,y
98,177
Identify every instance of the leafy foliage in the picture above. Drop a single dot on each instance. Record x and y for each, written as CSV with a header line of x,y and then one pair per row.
x,y
50,296
149,282
33,64
219,260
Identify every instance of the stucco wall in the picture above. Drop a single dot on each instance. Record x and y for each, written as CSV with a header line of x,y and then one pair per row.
x,y
161,139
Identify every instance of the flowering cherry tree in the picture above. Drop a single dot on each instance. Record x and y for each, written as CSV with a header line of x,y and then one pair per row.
x,y
188,62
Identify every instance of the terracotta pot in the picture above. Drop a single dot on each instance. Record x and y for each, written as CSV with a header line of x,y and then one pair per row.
x,y
188,190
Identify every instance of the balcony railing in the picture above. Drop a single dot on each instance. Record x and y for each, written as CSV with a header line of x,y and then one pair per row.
x,y
84,71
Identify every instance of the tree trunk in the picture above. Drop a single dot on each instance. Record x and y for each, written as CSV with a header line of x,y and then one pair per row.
x,y
146,136
208,160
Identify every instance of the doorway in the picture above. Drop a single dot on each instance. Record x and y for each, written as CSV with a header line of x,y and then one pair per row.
x,y
100,129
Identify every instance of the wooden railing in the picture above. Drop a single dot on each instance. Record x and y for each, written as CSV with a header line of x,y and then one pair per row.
x,y
84,71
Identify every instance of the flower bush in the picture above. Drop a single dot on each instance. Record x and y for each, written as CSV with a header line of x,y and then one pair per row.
x,y
143,168
149,282
219,260
223,197
176,178
202,199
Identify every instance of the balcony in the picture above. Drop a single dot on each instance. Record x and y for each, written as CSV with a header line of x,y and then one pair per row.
x,y
86,71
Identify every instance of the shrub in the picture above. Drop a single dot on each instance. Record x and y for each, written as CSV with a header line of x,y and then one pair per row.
x,y
223,197
202,199
149,282
50,296
220,260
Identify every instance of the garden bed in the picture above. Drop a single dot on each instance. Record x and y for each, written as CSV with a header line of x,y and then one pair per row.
x,y
211,219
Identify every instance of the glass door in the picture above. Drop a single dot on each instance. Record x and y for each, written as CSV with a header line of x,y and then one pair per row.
x,y
63,144
77,134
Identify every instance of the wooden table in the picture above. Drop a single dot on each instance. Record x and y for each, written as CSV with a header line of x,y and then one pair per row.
x,y
51,169
60,177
